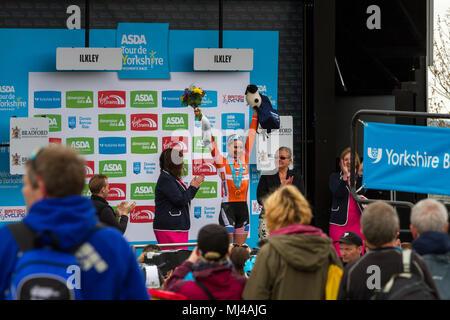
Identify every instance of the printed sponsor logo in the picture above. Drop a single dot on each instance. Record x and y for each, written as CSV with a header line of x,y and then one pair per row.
x,y
113,168
142,214
149,167
117,192
111,99
197,212
143,99
233,121
79,99
85,122
375,154
181,143
89,168
47,99
86,191
7,89
12,214
136,167
144,122
172,99
112,145
111,122
210,99
54,140
233,98
54,121
185,170
198,147
207,190
203,167
72,122
143,191
144,145
175,121
81,144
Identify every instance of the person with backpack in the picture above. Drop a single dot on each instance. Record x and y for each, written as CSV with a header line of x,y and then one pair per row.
x,y
429,227
99,187
59,250
208,274
375,274
294,262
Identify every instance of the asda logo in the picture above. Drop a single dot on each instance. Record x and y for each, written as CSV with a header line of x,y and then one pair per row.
x,y
113,168
54,121
82,145
143,99
143,191
79,99
198,147
207,190
175,121
111,122
144,145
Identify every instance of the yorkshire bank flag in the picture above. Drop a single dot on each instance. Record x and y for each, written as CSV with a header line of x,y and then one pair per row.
x,y
407,158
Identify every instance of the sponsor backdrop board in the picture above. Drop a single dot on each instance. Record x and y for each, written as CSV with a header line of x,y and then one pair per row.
x,y
121,128
143,104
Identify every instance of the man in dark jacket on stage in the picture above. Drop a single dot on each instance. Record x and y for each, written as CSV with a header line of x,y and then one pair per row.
x,y
99,187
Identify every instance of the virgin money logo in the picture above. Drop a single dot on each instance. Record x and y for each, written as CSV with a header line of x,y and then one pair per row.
x,y
142,214
111,99
117,191
180,143
54,140
203,167
144,122
89,167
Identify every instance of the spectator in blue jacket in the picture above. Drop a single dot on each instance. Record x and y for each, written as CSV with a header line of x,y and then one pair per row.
x,y
172,200
57,213
429,226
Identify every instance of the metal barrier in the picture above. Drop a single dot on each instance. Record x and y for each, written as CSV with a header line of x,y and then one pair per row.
x,y
166,245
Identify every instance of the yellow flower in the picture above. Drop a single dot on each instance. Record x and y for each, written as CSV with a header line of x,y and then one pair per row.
x,y
197,90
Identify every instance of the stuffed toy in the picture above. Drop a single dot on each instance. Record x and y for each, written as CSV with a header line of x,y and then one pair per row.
x,y
268,117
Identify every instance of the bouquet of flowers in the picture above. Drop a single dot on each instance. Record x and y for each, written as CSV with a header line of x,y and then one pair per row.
x,y
192,96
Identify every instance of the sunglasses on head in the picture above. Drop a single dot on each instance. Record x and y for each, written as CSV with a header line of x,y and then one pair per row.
x,y
235,245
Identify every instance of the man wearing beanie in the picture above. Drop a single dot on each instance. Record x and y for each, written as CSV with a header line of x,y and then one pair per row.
x,y
208,274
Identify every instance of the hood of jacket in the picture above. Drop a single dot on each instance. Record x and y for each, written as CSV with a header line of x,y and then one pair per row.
x,y
70,219
303,247
432,242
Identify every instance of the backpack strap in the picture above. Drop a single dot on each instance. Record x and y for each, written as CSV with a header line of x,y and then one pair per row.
x,y
205,290
407,260
25,237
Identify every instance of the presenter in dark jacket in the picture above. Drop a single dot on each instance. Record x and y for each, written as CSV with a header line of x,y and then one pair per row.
x,y
99,187
172,199
268,183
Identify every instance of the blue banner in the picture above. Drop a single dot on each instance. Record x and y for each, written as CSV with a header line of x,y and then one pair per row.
x,y
407,158
145,50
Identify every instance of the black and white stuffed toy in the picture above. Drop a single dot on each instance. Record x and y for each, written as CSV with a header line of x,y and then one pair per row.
x,y
268,117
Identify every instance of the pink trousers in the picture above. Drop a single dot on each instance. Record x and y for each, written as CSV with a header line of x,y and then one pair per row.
x,y
172,237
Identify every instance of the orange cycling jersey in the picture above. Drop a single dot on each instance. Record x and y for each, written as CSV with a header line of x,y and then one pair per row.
x,y
229,191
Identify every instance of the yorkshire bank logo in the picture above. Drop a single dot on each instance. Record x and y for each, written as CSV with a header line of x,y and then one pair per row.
x,y
82,145
111,99
171,99
144,122
375,154
143,191
180,143
112,145
112,122
47,99
89,169
117,191
143,99
203,167
142,214
207,190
